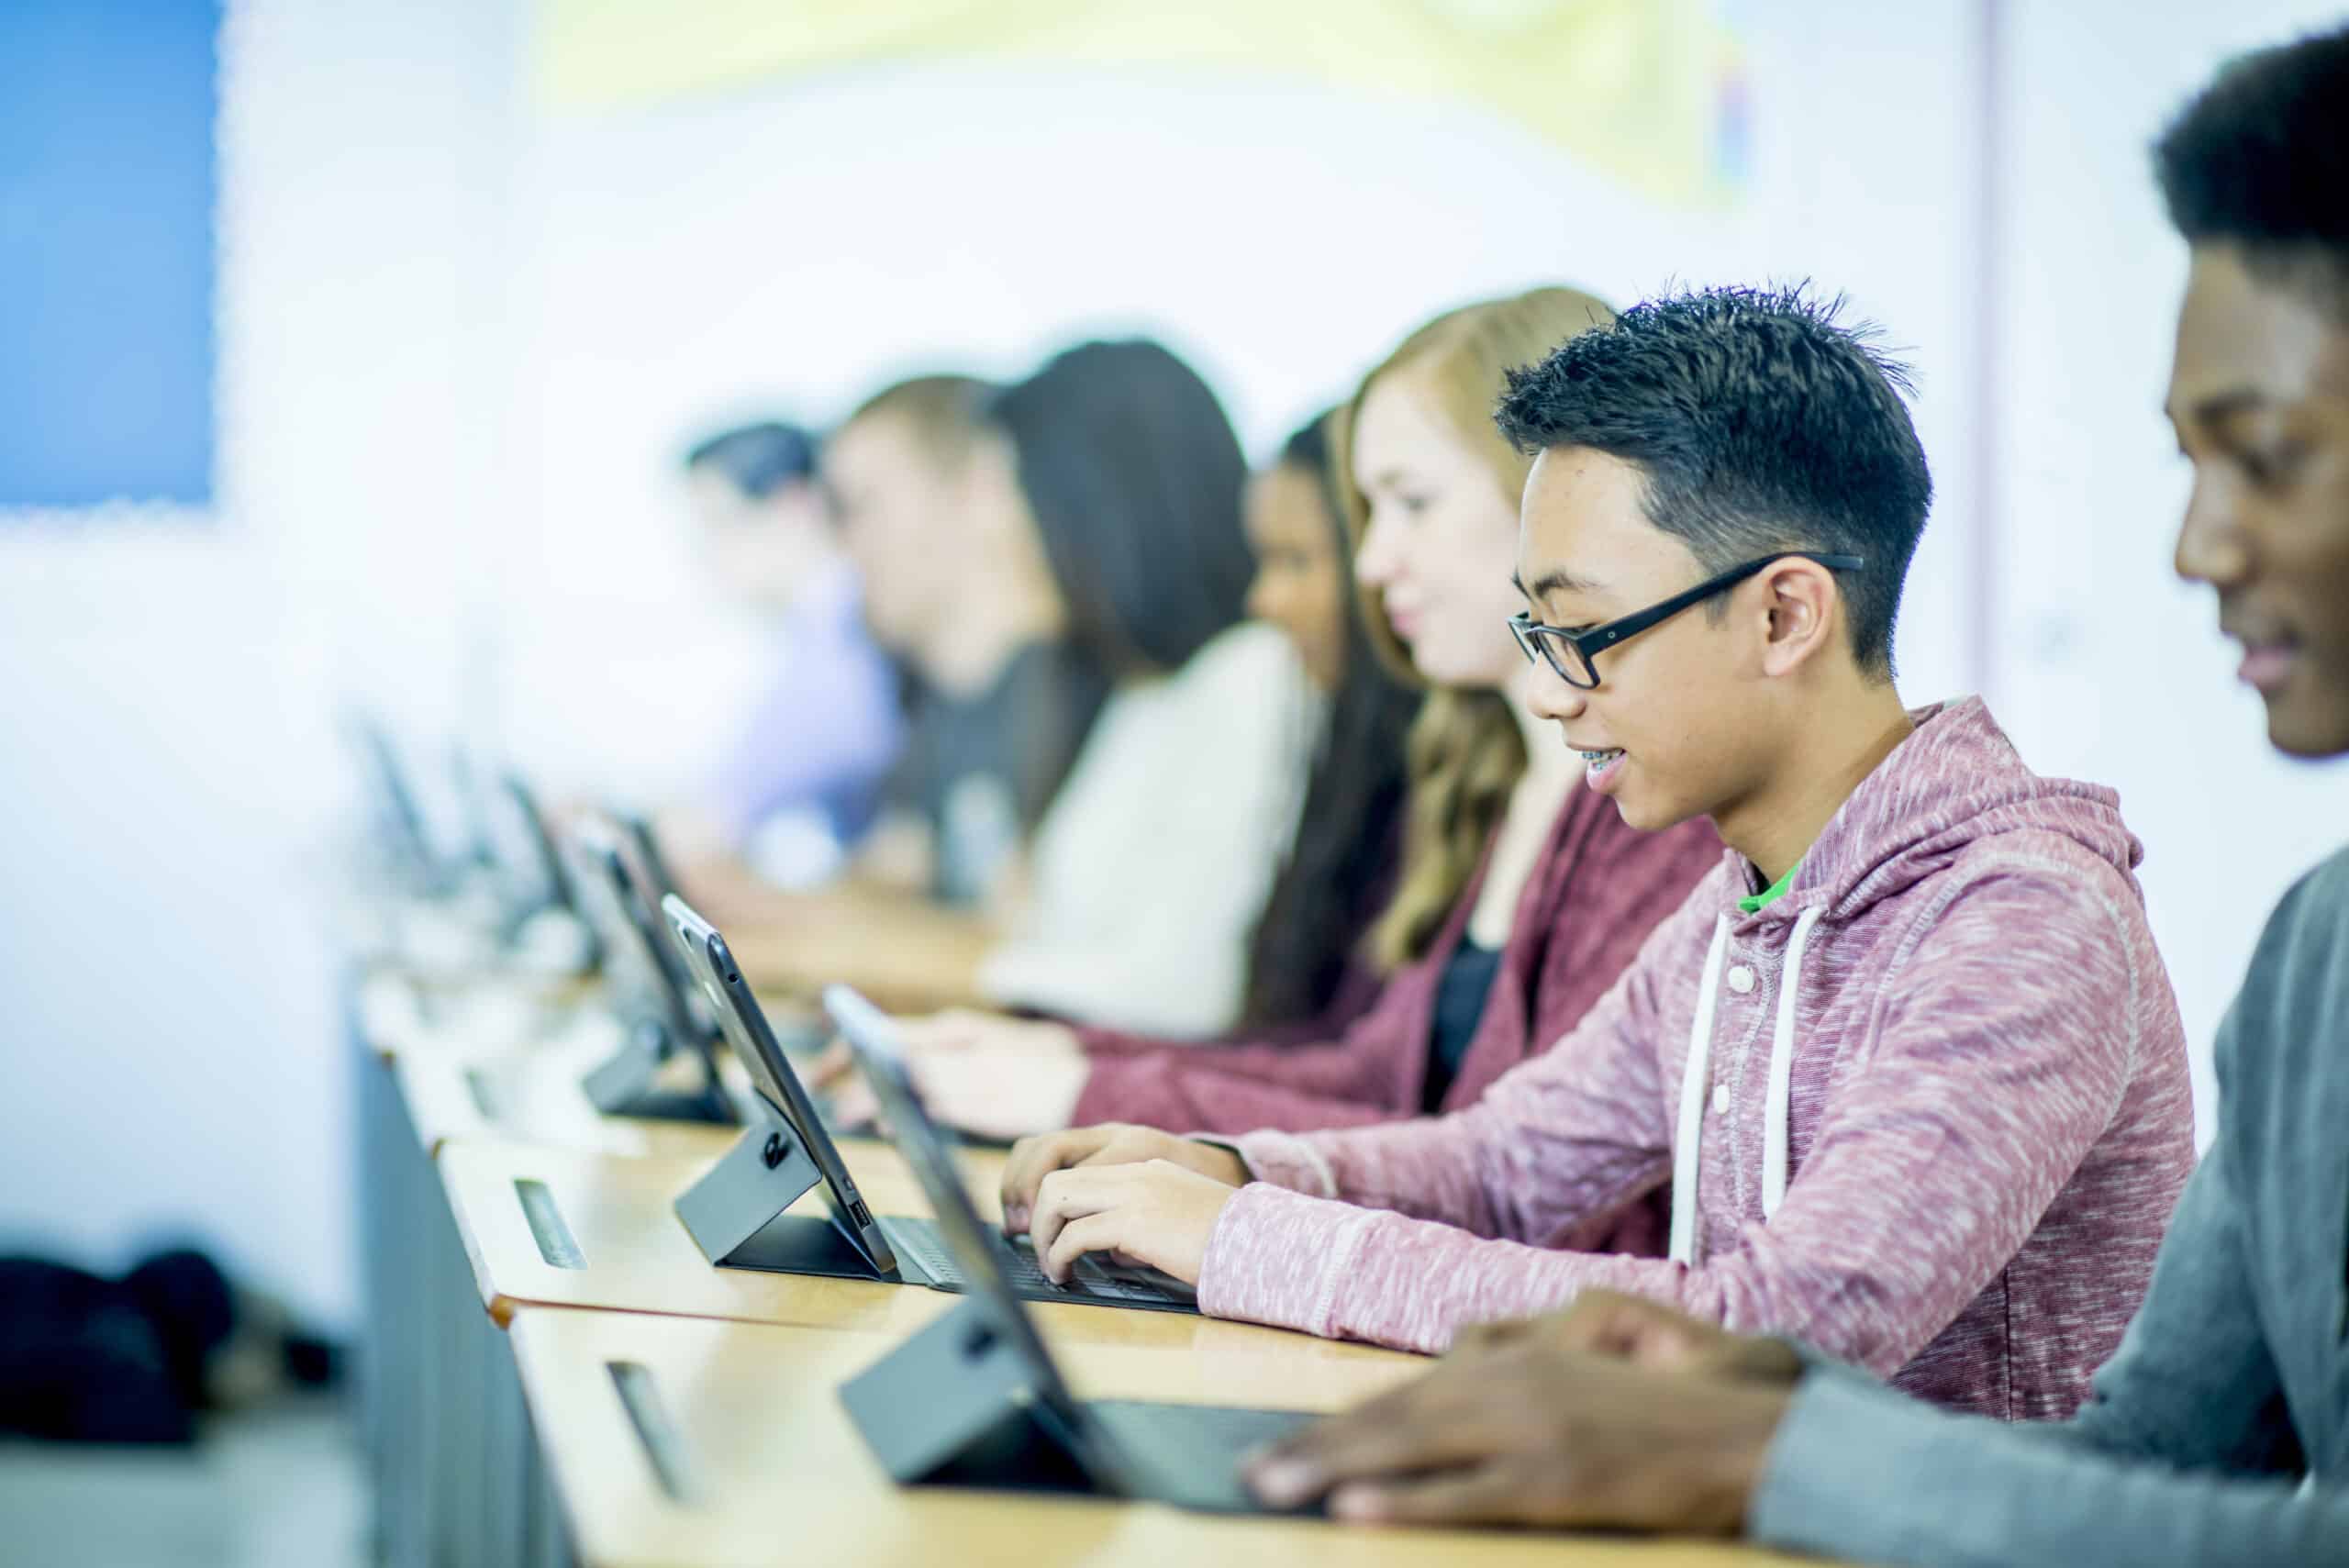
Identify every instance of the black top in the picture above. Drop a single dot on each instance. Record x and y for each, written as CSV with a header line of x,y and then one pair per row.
x,y
1460,997
982,770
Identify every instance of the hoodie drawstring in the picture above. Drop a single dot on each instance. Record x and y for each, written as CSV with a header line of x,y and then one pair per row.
x,y
1782,1069
1697,1076
1692,1102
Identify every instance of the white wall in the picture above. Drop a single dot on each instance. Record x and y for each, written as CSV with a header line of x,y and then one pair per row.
x,y
792,246
2109,668
174,1056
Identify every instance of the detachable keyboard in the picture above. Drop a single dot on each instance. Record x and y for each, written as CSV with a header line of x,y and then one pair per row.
x,y
1105,1283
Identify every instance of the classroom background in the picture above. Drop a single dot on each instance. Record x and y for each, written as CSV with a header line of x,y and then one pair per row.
x,y
471,273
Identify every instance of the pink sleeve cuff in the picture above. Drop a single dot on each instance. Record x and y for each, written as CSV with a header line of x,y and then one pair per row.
x,y
1278,1257
1330,1268
1284,1159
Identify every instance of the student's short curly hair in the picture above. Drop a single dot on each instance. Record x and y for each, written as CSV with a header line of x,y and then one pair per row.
x,y
2260,159
1760,422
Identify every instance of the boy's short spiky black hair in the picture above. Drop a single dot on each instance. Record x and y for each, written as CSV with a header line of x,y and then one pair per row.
x,y
2260,159
1761,423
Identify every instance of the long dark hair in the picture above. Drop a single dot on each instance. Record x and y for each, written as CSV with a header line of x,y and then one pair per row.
x,y
1134,478
1342,859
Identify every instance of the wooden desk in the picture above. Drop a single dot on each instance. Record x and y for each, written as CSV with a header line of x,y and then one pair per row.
x,y
767,1469
534,1101
506,1062
489,1010
634,1256
908,954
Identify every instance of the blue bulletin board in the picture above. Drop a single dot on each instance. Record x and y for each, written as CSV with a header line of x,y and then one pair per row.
x,y
108,178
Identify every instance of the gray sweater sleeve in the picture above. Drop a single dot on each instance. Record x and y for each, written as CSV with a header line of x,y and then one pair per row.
x,y
1860,1472
2163,1466
2184,1455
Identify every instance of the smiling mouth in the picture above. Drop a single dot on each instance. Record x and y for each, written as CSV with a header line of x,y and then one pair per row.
x,y
2266,666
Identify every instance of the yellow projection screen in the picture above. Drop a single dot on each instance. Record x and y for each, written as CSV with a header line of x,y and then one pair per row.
x,y
1652,92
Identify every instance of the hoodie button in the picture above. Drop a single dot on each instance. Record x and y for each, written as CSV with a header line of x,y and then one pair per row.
x,y
1721,1099
1740,980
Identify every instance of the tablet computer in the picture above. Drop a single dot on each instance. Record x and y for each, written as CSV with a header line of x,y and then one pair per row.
x,y
1184,1454
897,1247
547,881
657,882
945,1247
647,990
397,816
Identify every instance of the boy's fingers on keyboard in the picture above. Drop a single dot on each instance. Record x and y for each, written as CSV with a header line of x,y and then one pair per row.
x,y
1033,1159
1088,1234
1062,1197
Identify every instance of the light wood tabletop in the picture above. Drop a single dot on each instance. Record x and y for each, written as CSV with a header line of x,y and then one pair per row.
x,y
620,1244
622,1247
502,1061
759,1464
398,1010
534,1099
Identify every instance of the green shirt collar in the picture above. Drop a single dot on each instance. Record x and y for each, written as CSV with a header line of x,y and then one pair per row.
x,y
1755,903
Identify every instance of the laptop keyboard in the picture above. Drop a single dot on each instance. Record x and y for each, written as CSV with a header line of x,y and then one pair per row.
x,y
1091,1277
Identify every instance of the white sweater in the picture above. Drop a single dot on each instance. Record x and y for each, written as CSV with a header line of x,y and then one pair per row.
x,y
1153,863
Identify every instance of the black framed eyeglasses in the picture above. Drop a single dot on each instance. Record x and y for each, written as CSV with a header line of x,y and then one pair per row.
x,y
1570,653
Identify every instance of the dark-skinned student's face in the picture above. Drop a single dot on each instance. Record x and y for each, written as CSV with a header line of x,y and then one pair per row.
x,y
2259,395
1673,729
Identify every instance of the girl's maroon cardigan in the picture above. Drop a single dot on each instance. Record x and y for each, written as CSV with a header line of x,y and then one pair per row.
x,y
1596,891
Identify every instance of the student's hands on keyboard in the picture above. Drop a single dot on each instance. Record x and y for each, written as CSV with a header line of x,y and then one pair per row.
x,y
1033,1159
1111,1277
1156,1213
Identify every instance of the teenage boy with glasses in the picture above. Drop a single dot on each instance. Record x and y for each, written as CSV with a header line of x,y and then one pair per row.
x,y
2220,1433
1907,1056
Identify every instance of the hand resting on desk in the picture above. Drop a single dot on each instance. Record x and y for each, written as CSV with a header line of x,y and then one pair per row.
x,y
1613,1414
979,1072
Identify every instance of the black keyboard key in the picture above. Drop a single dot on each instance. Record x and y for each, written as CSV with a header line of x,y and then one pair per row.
x,y
1090,1276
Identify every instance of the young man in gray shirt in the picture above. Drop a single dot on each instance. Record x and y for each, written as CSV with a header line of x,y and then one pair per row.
x,y
2219,1432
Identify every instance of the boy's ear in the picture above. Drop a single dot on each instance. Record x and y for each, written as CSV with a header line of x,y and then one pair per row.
x,y
1802,605
987,476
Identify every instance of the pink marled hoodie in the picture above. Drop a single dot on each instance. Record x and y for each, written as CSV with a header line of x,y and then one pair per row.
x,y
1986,1122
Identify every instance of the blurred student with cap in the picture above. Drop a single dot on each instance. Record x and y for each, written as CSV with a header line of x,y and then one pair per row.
x,y
812,753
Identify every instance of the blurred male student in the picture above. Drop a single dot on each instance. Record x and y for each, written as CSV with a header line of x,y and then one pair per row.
x,y
811,754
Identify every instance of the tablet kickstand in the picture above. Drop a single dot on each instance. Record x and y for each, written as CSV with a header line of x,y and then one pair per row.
x,y
735,1212
955,1405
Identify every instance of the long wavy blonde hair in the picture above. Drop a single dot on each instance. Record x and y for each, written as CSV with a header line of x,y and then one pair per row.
x,y
1465,751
